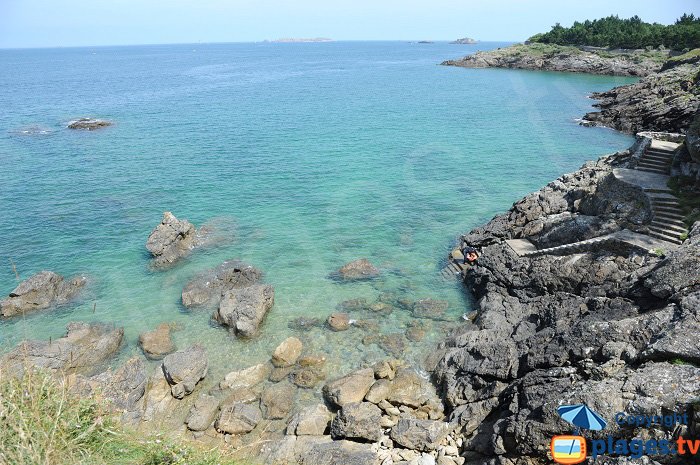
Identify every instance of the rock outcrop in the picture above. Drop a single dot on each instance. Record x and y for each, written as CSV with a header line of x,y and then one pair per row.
x,y
83,350
244,309
171,240
88,124
665,101
207,287
601,328
157,344
184,369
358,270
43,290
546,57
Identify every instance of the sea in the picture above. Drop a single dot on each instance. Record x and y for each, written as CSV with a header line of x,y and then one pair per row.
x,y
296,157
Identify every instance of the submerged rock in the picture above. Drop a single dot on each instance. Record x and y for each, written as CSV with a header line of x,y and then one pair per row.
x,y
88,124
430,308
84,349
339,321
243,310
171,240
287,353
41,291
207,287
357,270
157,344
184,369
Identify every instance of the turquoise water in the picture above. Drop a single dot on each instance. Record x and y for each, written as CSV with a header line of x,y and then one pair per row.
x,y
302,156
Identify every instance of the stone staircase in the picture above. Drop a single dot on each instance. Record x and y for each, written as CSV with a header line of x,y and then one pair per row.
x,y
657,158
667,222
452,270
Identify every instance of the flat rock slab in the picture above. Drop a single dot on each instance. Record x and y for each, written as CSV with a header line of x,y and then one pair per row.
x,y
40,291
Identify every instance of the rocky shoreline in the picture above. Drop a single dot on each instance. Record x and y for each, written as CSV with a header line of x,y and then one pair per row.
x,y
614,327
544,57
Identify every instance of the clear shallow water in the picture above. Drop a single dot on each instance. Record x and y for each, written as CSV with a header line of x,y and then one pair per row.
x,y
304,156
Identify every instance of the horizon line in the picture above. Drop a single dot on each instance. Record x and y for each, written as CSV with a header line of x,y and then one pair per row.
x,y
264,41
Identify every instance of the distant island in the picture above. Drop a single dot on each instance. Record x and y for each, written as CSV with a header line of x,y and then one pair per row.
x,y
464,41
287,40
426,42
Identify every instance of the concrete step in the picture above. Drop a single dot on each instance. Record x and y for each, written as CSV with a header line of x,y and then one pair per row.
x,y
660,151
652,190
662,197
667,209
673,201
657,157
654,162
669,222
674,239
668,227
651,170
668,218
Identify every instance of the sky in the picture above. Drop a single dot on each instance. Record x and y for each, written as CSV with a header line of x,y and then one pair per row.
x,y
63,23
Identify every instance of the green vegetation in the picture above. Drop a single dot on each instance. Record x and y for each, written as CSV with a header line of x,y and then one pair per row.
x,y
633,33
43,424
688,198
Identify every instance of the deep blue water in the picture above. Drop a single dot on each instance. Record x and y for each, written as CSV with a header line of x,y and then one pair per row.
x,y
304,156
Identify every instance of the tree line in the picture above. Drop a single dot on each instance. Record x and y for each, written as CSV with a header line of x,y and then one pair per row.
x,y
614,32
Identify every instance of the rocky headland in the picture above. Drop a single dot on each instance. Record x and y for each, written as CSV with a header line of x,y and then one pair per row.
x,y
545,57
611,324
665,101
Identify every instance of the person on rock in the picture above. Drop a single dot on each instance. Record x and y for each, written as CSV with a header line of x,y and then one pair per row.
x,y
471,255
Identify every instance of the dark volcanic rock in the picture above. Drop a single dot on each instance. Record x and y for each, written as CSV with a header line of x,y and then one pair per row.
x,y
595,327
43,290
84,348
171,240
207,287
559,58
665,101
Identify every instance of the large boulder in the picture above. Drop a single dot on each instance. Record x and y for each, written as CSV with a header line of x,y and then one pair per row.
x,y
357,270
207,287
423,435
184,369
124,388
238,418
171,240
278,400
84,349
157,344
247,377
43,290
243,310
287,353
358,421
350,388
202,413
337,452
311,421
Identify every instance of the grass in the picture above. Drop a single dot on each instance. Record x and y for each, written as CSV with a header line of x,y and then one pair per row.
x,y
43,423
688,198
695,53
